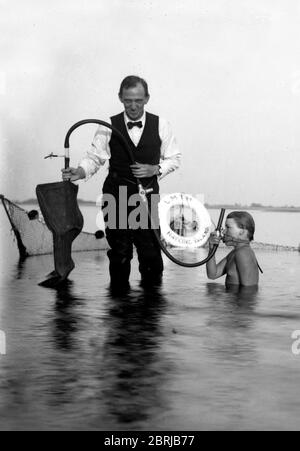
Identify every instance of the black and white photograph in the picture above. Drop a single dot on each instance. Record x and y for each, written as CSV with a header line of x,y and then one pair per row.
x,y
149,218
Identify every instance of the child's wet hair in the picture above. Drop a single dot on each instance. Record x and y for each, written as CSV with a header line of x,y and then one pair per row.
x,y
245,221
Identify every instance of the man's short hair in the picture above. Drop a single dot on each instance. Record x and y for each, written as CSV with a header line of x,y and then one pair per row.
x,y
131,81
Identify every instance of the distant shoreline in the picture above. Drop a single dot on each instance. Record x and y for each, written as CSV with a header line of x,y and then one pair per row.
x,y
255,207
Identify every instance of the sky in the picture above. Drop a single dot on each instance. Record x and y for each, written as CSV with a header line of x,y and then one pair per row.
x,y
224,73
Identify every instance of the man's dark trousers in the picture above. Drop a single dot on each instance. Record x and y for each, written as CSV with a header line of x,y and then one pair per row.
x,y
122,240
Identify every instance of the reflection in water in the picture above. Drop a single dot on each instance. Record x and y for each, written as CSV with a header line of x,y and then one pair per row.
x,y
61,367
233,317
20,268
242,298
66,320
134,367
122,365
80,358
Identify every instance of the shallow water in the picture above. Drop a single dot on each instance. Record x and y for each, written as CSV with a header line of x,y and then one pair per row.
x,y
187,356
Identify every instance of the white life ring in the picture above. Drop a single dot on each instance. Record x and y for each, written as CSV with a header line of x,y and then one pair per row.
x,y
198,229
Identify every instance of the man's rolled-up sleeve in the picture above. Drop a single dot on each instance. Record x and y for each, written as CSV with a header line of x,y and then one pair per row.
x,y
98,154
170,154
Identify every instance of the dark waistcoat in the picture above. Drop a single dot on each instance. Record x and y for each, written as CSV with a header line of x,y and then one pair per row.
x,y
148,150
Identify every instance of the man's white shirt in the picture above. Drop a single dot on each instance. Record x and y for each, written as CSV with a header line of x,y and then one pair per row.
x,y
100,153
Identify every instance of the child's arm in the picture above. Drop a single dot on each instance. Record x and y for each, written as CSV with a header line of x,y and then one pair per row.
x,y
247,267
214,270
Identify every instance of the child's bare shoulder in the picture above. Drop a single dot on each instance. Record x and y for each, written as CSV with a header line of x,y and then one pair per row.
x,y
245,253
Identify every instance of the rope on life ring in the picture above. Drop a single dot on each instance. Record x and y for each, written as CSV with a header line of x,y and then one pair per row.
x,y
199,225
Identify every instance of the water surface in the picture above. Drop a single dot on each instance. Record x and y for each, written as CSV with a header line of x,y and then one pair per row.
x,y
187,356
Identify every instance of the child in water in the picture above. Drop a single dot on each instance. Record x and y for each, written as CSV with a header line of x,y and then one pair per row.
x,y
240,266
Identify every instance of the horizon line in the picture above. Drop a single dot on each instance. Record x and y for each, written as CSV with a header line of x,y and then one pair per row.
x,y
253,205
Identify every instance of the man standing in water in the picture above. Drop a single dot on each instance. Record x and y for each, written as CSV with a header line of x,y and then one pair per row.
x,y
157,155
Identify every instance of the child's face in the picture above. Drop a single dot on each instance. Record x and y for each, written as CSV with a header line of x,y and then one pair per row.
x,y
233,233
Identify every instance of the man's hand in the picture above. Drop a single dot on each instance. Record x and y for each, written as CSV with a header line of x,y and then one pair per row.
x,y
73,174
142,171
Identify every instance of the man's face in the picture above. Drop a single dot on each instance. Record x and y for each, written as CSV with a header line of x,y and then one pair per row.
x,y
134,101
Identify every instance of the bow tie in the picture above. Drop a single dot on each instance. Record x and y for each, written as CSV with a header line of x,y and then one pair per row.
x,y
130,125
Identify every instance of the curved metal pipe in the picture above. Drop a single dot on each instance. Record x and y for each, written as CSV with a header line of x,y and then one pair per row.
x,y
202,262
139,185
105,124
